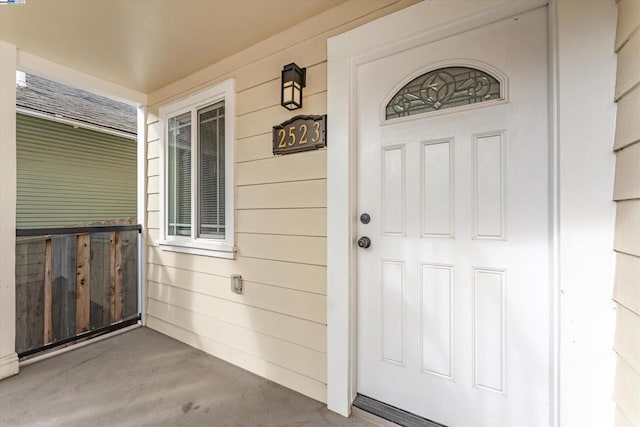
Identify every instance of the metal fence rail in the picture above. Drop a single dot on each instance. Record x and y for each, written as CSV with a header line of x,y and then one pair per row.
x,y
73,282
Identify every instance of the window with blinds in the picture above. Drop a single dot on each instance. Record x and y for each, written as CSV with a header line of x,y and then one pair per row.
x,y
210,173
197,171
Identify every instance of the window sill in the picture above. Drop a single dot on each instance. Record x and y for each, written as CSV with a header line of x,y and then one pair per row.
x,y
197,248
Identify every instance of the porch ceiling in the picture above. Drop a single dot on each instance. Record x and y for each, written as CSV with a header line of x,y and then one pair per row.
x,y
147,44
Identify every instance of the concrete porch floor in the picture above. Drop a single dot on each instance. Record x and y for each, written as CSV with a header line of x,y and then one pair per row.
x,y
144,378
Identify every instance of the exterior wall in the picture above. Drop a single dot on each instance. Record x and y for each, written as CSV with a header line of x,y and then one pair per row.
x,y
70,176
582,35
627,236
8,357
277,328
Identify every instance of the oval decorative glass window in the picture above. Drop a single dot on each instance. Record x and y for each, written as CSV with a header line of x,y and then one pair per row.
x,y
443,88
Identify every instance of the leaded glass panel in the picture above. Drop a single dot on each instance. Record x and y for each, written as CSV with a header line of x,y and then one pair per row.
x,y
443,88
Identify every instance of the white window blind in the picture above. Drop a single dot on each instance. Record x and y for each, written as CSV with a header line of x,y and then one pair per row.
x,y
211,173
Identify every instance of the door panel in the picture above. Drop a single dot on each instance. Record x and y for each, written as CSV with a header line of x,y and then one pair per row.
x,y
437,189
454,292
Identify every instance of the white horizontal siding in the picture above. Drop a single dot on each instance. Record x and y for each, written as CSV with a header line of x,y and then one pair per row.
x,y
627,341
621,419
305,305
254,148
627,181
627,127
627,391
627,234
302,277
153,179
301,222
626,290
628,71
153,202
296,194
292,167
294,330
628,20
153,185
302,249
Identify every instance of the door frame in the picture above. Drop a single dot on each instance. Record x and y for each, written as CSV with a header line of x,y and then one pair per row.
x,y
345,53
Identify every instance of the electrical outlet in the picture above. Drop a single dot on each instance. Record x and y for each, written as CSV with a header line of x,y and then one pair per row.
x,y
236,284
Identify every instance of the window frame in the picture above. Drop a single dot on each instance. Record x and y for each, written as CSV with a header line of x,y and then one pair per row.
x,y
223,248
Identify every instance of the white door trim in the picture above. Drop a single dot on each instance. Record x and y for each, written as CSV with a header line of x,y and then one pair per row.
x,y
398,31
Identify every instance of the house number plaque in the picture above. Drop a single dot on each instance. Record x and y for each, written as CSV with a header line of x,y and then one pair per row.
x,y
300,133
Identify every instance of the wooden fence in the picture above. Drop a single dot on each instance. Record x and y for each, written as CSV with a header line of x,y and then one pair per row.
x,y
71,281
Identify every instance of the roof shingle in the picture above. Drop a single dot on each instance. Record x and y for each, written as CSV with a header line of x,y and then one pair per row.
x,y
56,99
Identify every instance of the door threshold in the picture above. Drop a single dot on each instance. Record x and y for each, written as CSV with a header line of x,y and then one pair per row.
x,y
371,418
390,413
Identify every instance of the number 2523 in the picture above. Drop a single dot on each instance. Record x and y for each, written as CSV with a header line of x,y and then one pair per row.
x,y
298,134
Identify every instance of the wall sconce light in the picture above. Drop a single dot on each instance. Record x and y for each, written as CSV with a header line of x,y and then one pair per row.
x,y
294,79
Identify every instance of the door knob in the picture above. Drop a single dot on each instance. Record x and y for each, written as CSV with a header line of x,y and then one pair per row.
x,y
364,242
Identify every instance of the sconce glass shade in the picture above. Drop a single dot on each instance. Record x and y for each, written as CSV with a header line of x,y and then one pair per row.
x,y
293,80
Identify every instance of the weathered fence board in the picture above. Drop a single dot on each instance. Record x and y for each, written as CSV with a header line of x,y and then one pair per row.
x,y
21,293
63,271
70,283
83,287
47,293
115,284
29,292
35,318
100,273
130,273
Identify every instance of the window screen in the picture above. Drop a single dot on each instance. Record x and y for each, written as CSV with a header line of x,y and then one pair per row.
x,y
179,182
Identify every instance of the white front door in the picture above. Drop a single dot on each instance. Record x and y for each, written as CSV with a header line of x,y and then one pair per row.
x,y
454,292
